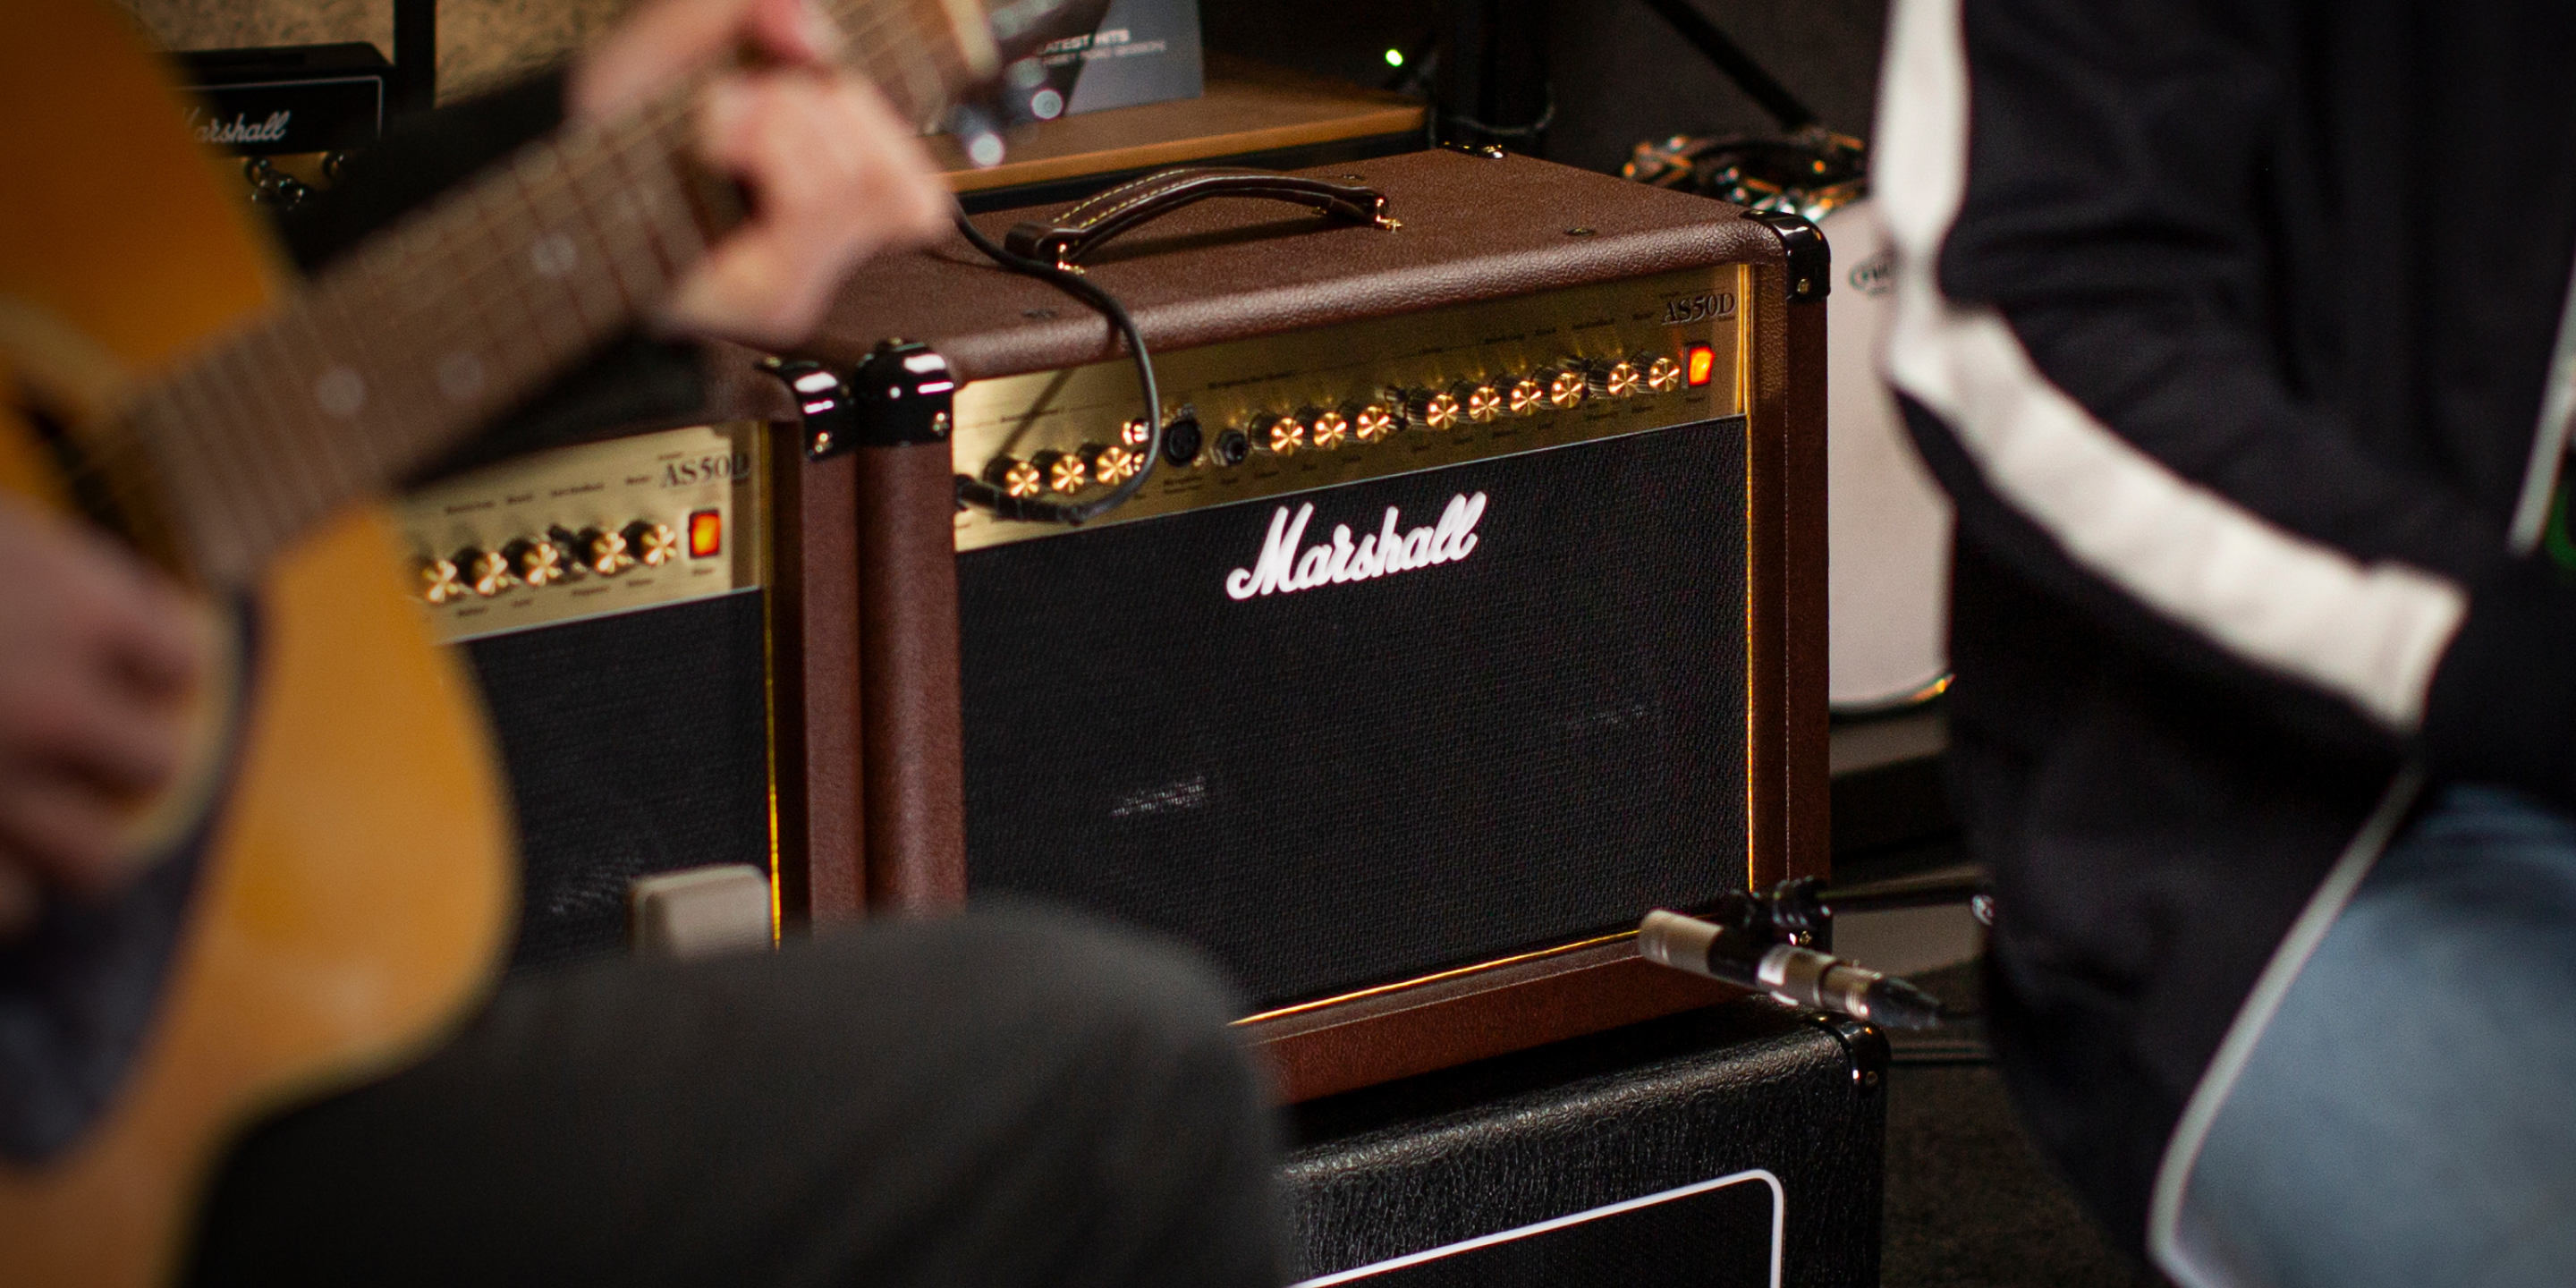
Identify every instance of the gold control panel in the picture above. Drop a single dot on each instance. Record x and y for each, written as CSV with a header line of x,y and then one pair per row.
x,y
1285,413
589,530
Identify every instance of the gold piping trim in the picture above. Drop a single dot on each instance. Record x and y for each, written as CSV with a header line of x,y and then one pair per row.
x,y
1744,354
1383,989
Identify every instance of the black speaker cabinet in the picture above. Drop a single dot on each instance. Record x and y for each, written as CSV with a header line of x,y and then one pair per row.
x,y
1737,1146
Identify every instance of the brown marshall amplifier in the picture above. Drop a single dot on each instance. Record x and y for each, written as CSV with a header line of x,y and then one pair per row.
x,y
1472,607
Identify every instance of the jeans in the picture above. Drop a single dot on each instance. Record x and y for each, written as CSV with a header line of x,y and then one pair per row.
x,y
2409,1114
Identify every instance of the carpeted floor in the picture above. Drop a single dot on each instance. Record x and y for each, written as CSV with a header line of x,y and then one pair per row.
x,y
1970,1203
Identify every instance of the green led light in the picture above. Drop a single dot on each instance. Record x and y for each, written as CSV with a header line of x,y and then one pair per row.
x,y
1395,58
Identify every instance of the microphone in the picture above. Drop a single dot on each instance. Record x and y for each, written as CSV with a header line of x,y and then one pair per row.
x,y
1798,976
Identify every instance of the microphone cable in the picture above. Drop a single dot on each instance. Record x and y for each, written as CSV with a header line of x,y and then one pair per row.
x,y
978,492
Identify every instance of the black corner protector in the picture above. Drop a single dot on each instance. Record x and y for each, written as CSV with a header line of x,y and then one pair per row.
x,y
1488,151
905,395
1810,260
902,395
1864,1042
832,423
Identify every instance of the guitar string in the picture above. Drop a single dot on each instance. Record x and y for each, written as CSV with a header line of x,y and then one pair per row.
x,y
596,148
438,309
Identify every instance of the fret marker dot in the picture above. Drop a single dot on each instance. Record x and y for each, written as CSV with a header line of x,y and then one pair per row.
x,y
460,376
340,392
552,255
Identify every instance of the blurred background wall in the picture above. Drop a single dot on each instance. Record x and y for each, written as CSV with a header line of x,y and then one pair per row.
x,y
1619,74
481,43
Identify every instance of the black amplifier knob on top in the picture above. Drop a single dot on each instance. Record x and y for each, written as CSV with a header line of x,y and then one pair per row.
x,y
1525,397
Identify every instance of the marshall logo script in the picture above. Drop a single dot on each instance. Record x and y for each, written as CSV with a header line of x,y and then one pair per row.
x,y
222,133
1282,569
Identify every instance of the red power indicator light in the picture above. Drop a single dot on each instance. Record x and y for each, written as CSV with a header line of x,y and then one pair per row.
x,y
1699,362
706,534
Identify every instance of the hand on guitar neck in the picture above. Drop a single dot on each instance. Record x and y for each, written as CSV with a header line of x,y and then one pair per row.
x,y
833,175
97,649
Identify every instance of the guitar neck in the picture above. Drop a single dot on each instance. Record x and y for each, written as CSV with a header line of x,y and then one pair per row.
x,y
459,312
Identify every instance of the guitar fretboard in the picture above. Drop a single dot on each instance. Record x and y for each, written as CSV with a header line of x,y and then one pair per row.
x,y
456,314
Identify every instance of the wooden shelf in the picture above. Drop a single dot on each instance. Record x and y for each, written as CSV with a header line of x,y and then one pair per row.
x,y
1247,108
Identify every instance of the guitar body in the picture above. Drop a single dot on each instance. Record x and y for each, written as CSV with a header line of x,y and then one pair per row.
x,y
358,881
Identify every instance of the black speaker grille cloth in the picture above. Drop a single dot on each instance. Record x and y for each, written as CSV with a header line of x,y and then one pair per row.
x,y
636,743
1354,783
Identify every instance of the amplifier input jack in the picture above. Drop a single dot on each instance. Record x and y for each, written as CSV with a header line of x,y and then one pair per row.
x,y
1232,447
1183,439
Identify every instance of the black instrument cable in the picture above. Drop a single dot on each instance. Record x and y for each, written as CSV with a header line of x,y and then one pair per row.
x,y
978,492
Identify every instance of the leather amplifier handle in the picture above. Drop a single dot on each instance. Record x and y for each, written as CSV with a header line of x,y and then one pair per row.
x,y
1076,232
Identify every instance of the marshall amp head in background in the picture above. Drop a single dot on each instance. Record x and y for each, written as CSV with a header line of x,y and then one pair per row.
x,y
613,600
288,99
1473,607
291,112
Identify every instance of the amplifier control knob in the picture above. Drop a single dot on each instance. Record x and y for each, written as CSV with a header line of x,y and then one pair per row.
x,y
1481,403
537,561
1623,380
1065,472
1279,435
1326,429
1232,447
440,582
487,571
1136,433
1526,397
1571,384
1663,375
652,544
1370,422
1020,480
1111,466
596,550
1432,409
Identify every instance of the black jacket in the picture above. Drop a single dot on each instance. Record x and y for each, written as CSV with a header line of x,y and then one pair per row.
x,y
2227,326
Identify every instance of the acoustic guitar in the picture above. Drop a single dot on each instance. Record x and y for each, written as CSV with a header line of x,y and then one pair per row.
x,y
329,891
